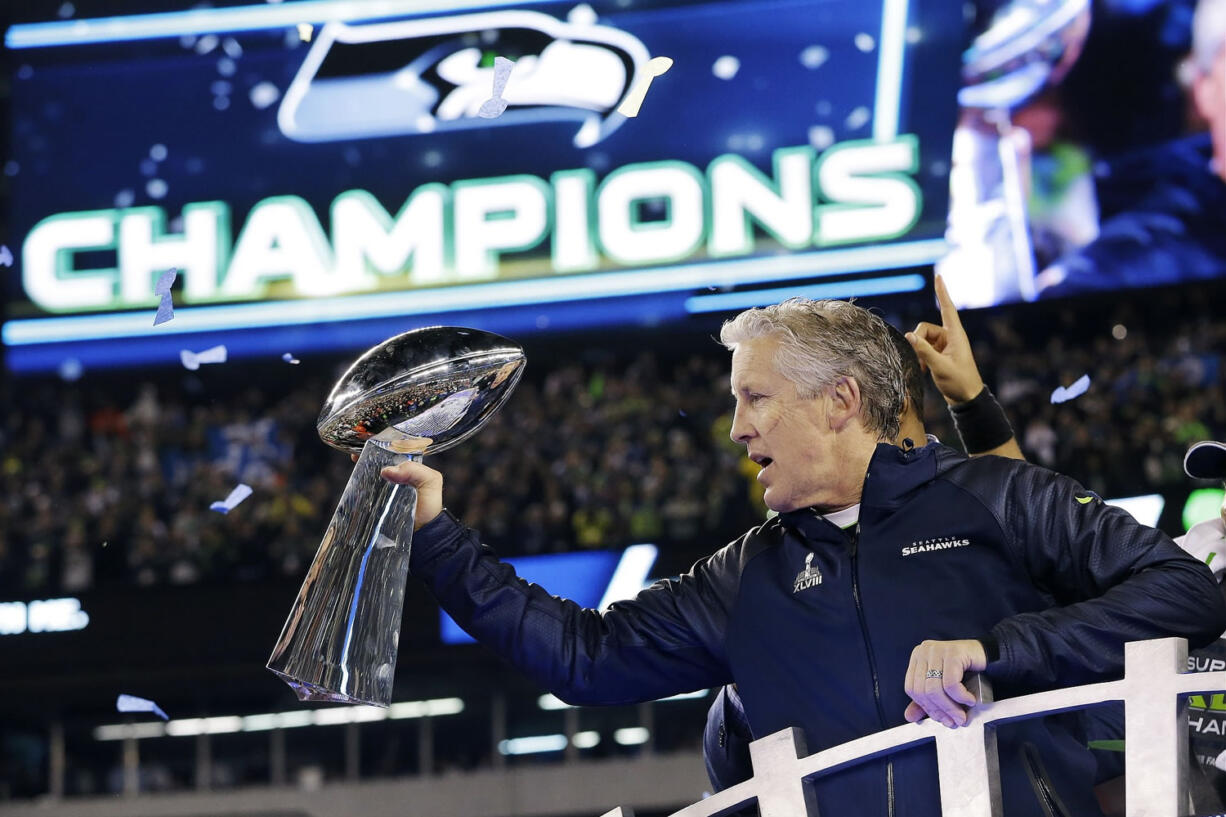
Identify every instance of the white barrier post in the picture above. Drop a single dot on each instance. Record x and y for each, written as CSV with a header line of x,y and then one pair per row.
x,y
1155,728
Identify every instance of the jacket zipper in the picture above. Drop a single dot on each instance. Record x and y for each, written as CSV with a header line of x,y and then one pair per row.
x,y
872,662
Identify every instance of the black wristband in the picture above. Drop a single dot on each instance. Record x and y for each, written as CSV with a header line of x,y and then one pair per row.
x,y
981,423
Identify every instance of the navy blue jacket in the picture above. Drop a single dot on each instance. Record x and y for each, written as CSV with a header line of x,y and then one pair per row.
x,y
947,548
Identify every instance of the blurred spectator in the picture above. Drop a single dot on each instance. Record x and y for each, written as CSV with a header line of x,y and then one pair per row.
x,y
597,454
1174,229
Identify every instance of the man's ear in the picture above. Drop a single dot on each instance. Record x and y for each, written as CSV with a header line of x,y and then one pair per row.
x,y
845,402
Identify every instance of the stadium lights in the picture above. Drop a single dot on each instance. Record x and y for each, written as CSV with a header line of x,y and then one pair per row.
x,y
632,735
220,21
1146,509
204,726
585,740
226,724
550,702
534,744
539,744
530,293
729,301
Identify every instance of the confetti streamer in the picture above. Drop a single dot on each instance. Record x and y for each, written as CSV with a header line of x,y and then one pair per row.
x,y
231,502
726,67
6,257
289,358
1063,395
192,360
131,703
657,66
495,105
166,307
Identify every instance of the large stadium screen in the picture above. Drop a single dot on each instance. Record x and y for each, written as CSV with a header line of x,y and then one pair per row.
x,y
326,174
1090,154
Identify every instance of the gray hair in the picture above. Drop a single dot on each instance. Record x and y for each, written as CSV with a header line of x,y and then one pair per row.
x,y
1208,33
821,341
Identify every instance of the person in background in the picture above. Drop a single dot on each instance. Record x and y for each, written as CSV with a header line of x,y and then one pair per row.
x,y
1176,230
1206,541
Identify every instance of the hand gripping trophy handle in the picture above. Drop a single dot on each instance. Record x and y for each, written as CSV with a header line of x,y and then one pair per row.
x,y
416,393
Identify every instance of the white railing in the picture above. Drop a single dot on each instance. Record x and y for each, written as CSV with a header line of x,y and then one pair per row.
x,y
1154,691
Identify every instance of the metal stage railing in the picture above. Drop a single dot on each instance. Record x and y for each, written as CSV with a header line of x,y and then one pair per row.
x,y
1154,690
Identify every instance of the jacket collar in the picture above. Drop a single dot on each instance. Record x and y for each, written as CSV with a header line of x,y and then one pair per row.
x,y
893,474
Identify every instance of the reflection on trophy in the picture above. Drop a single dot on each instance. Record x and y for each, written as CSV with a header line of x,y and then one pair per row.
x,y
417,393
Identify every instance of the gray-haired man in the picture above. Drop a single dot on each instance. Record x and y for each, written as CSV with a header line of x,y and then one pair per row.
x,y
947,565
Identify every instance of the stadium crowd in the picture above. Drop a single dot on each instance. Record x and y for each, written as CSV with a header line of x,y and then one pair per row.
x,y
109,482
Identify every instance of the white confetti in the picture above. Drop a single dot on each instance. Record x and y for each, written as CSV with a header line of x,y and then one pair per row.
x,y
821,136
289,358
814,56
157,153
264,94
131,703
231,47
232,500
858,118
726,67
1079,387
206,44
193,360
156,188
865,42
70,370
582,15
493,107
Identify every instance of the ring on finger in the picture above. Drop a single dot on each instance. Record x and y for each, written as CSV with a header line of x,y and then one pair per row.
x,y
934,673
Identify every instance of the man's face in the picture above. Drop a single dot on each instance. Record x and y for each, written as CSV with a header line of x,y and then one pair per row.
x,y
1209,91
788,435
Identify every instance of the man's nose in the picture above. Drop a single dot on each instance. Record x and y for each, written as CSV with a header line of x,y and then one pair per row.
x,y
741,431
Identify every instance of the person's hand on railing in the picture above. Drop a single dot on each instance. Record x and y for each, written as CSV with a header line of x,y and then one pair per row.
x,y
934,680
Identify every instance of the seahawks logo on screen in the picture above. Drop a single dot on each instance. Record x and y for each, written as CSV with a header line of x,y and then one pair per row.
x,y
420,76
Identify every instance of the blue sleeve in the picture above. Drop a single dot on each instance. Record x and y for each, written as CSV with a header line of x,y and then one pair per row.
x,y
667,640
1114,581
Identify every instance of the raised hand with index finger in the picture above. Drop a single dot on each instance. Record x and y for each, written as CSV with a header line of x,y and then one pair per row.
x,y
946,352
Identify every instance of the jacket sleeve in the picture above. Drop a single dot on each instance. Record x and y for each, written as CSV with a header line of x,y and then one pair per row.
x,y
1113,580
667,640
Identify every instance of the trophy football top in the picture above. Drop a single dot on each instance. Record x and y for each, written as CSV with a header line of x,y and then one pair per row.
x,y
421,391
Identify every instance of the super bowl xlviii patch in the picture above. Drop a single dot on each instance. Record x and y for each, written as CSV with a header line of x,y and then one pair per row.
x,y
809,577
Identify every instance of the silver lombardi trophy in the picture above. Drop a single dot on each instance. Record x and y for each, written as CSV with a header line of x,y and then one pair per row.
x,y
415,394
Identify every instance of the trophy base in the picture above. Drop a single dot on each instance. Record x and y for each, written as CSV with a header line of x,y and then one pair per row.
x,y
307,691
